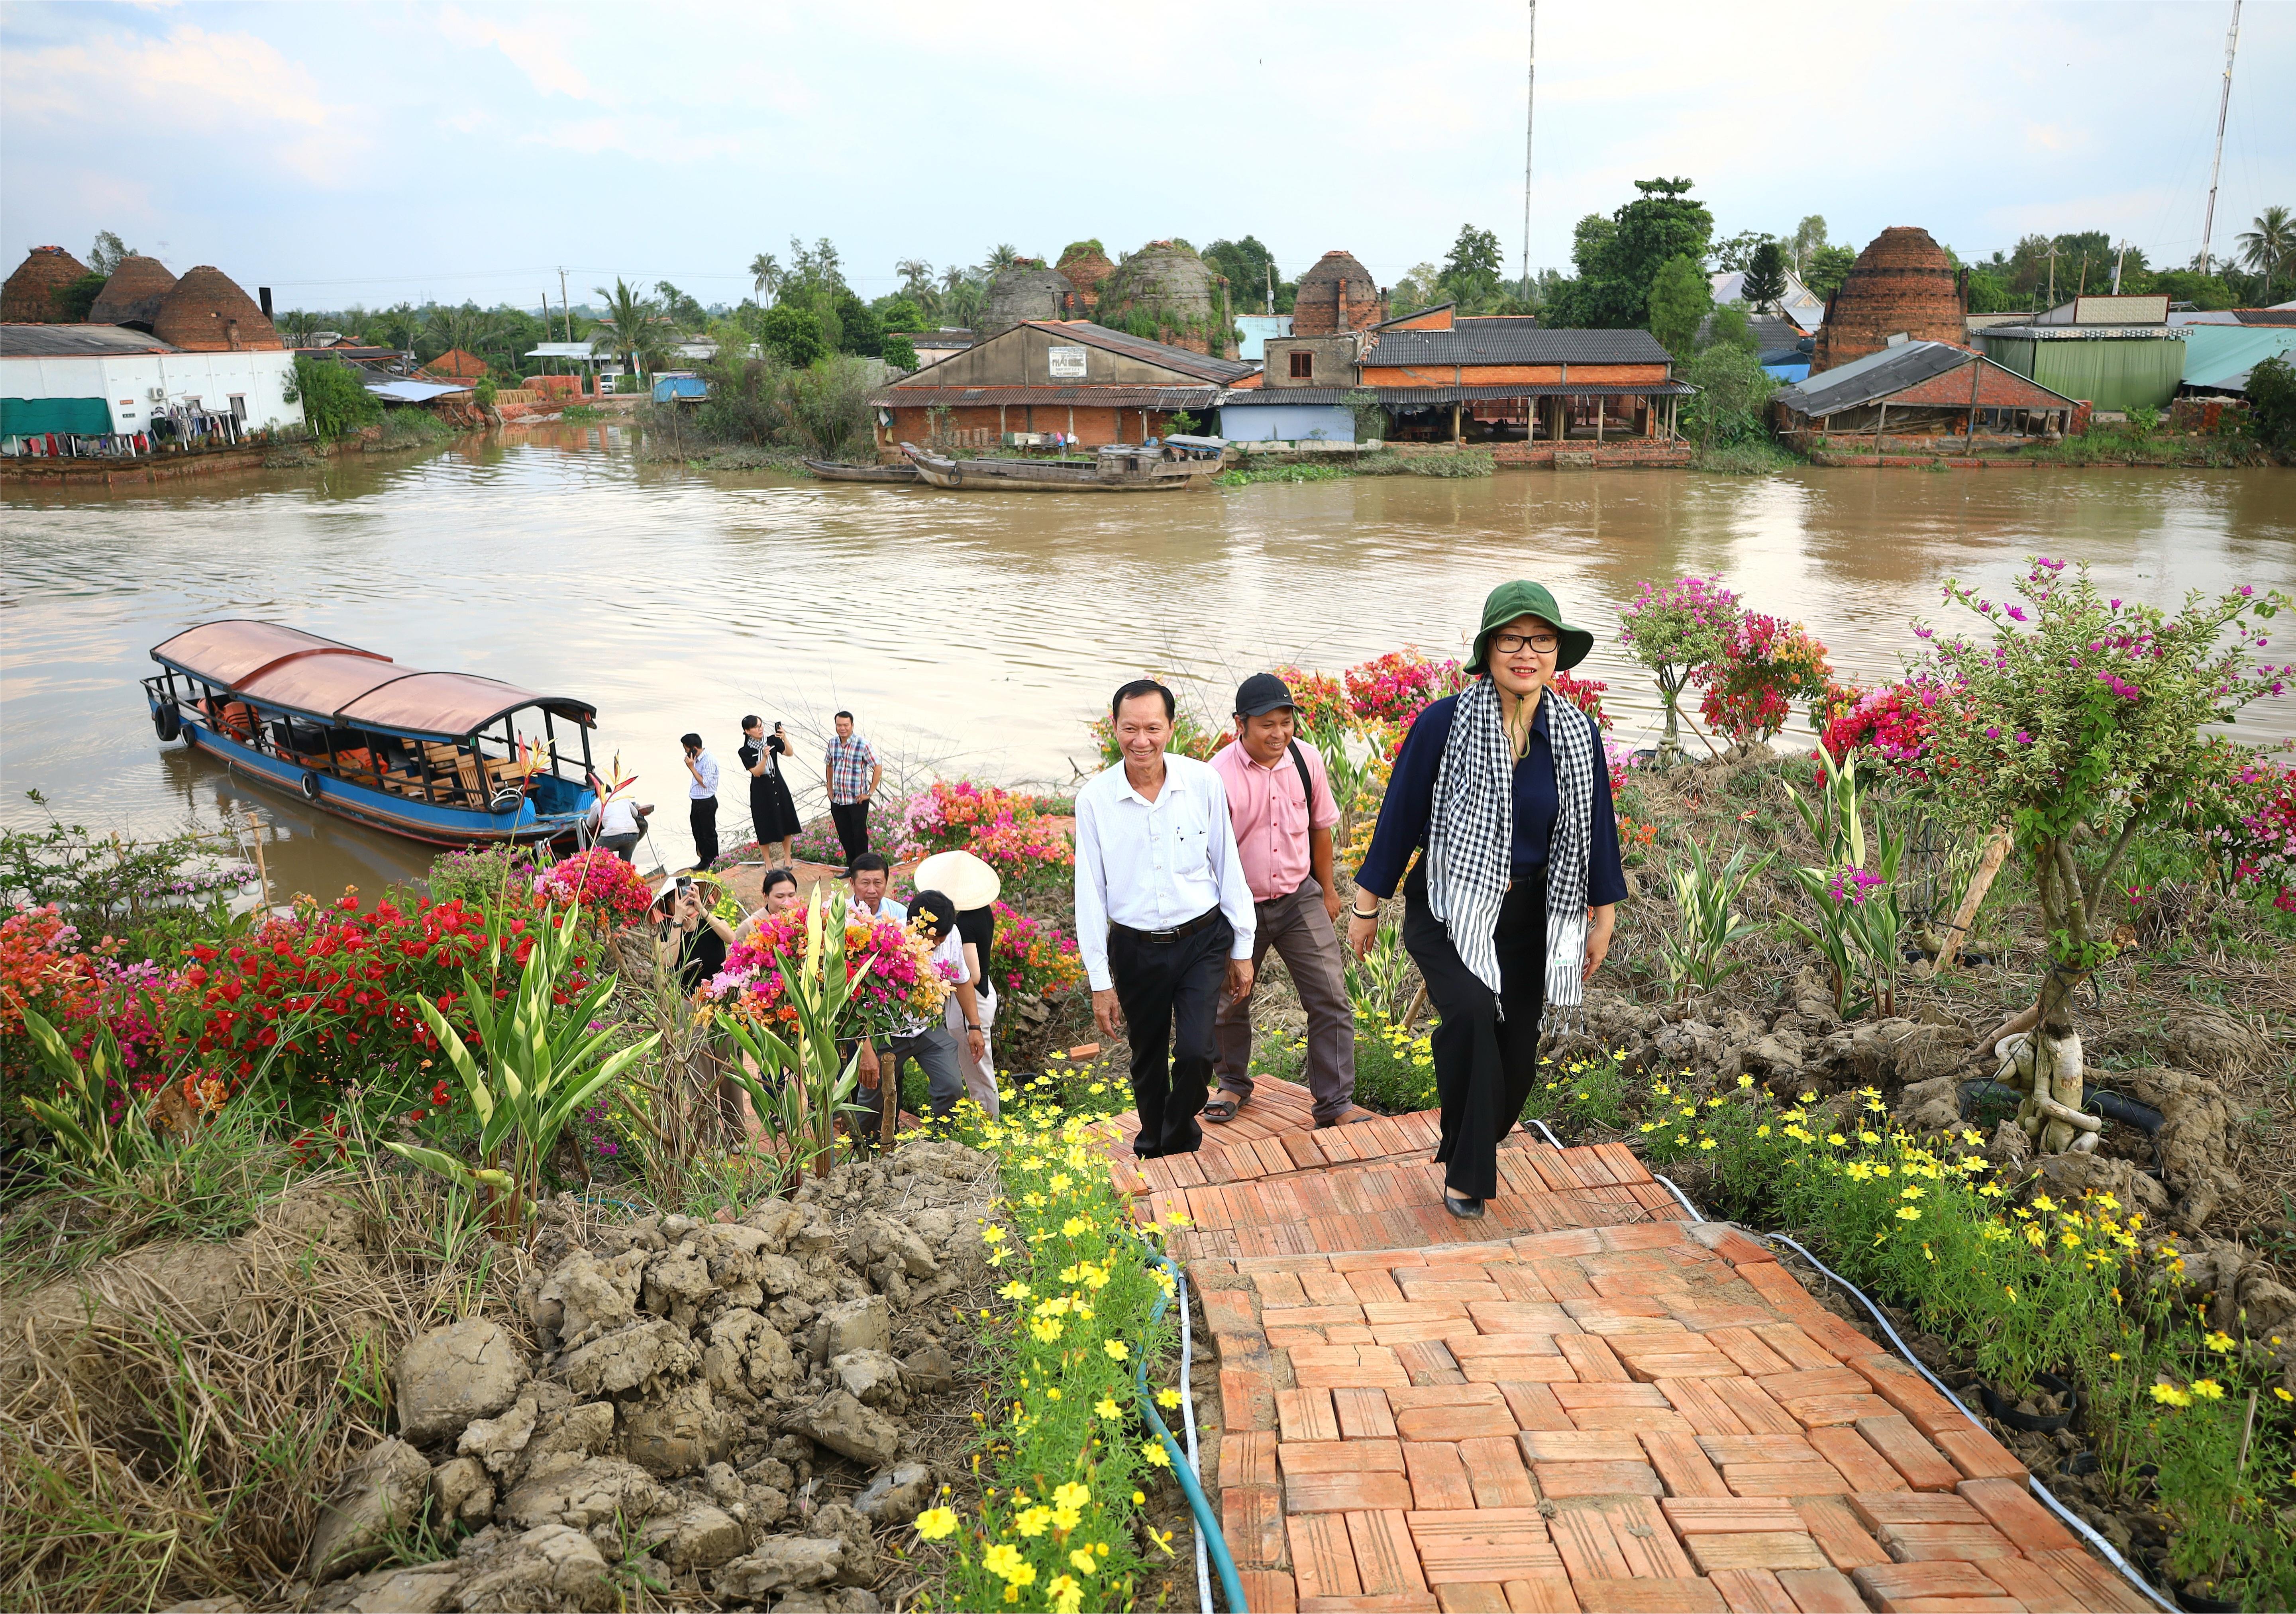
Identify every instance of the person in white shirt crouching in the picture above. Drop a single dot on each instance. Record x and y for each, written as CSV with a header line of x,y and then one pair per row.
x,y
1164,918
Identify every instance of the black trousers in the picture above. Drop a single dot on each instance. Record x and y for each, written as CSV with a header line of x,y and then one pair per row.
x,y
852,821
1170,993
1484,1065
705,831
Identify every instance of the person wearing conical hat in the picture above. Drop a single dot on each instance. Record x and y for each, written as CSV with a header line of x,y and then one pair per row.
x,y
973,887
1504,793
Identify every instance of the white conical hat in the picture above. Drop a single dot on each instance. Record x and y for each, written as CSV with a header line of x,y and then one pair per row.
x,y
963,877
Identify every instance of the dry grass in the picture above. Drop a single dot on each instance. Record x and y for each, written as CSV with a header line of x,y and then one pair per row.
x,y
171,1419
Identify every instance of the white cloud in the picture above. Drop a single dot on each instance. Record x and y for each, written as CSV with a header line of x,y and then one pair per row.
x,y
533,50
650,138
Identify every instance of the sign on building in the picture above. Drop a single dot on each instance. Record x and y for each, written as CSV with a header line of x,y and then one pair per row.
x,y
1067,363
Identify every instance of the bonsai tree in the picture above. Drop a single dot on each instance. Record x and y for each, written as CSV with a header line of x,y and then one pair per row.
x,y
1675,630
2077,722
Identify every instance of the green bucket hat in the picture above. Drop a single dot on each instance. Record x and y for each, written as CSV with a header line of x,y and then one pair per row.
x,y
1522,598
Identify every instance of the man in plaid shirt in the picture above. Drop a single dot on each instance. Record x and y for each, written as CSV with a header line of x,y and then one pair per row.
x,y
852,779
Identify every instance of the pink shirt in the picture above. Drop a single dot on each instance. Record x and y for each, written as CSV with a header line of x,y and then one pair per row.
x,y
1271,816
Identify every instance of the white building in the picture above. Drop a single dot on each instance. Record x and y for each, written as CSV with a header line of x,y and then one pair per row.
x,y
89,380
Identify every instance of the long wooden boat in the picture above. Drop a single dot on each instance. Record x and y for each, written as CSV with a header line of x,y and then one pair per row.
x,y
450,758
830,471
1122,468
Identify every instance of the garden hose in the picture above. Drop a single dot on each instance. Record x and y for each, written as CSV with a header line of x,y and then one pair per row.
x,y
1208,1530
2031,1481
1188,1416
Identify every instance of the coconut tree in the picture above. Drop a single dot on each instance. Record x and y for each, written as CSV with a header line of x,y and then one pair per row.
x,y
631,330
766,276
2270,247
1002,257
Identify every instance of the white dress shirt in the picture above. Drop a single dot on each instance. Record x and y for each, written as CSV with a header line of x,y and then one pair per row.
x,y
705,787
620,816
1153,865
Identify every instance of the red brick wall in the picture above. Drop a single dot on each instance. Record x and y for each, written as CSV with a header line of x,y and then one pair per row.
x,y
979,428
1998,390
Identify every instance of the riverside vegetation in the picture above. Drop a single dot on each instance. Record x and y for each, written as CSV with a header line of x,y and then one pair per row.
x,y
404,1255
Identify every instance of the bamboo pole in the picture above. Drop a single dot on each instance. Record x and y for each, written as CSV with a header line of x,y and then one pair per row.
x,y
1989,865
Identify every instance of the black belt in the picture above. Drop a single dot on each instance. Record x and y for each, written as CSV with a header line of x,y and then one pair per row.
x,y
1202,921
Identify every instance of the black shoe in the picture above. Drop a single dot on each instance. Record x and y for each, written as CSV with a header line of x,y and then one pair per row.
x,y
1467,1209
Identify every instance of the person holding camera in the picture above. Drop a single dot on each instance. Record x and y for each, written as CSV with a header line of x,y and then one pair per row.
x,y
703,794
773,814
690,939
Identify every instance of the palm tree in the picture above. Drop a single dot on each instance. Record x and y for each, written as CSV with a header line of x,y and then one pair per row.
x,y
469,327
2270,247
631,330
1001,257
766,276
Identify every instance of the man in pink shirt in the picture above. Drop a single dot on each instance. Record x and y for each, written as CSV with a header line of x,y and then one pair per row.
x,y
1279,800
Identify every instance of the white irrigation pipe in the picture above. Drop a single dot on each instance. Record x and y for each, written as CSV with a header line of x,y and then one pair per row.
x,y
1188,1413
2038,1490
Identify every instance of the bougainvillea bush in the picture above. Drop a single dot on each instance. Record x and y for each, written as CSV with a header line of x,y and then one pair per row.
x,y
1005,829
1398,685
1888,727
2246,819
895,981
611,892
1766,664
1674,629
1033,956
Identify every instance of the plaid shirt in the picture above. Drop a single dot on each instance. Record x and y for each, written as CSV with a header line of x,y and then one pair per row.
x,y
849,762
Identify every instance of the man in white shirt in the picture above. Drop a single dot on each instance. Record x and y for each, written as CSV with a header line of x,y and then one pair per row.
x,y
1163,915
703,795
870,876
620,822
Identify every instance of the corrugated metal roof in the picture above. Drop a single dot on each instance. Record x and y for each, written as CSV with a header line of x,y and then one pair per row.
x,y
412,392
77,341
988,398
1875,376
1473,394
1142,348
1513,342
1286,394
2086,334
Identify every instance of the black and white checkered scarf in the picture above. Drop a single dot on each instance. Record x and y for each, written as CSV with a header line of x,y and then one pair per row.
x,y
1471,836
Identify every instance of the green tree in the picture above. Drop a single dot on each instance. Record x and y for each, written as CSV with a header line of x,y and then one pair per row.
x,y
105,255
2270,247
1617,264
1734,395
631,329
1828,268
916,281
2272,397
1249,268
680,308
1765,274
900,353
333,400
1679,297
1738,252
1421,288
859,329
899,312
1002,257
76,297
1730,326
793,335
1808,236
1470,273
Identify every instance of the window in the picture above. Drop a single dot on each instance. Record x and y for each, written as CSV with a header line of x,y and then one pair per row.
x,y
1303,366
239,407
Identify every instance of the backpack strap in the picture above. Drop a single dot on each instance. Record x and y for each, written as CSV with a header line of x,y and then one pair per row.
x,y
1306,785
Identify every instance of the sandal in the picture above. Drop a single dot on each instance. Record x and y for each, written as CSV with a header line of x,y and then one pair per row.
x,y
1221,1110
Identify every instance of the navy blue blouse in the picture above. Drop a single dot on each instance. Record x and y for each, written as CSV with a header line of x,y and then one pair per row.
x,y
1410,798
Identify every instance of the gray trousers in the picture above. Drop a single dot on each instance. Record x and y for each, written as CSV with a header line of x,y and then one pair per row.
x,y
1300,931
935,1052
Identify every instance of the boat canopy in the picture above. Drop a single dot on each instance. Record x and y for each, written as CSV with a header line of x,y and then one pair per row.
x,y
284,667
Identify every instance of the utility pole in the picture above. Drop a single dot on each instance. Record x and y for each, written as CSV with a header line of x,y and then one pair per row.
x,y
1270,266
565,306
1530,88
2223,106
2053,274
2117,258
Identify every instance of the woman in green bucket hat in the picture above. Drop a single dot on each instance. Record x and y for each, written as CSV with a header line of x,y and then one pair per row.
x,y
1510,909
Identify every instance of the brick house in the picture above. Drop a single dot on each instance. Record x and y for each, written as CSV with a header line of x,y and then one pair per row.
x,y
1928,394
1070,376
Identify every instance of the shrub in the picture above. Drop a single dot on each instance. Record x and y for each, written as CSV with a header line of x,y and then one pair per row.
x,y
1890,725
1398,685
1766,664
1034,955
334,402
1675,629
2245,814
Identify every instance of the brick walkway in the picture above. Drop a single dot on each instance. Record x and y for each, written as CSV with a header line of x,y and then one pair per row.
x,y
1583,1401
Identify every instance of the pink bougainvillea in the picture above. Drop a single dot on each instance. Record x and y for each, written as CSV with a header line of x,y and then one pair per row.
x,y
896,981
1766,664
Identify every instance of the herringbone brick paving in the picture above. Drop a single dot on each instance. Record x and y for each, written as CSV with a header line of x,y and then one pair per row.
x,y
1582,1402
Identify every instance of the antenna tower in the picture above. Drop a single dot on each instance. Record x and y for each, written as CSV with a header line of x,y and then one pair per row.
x,y
1530,85
2223,106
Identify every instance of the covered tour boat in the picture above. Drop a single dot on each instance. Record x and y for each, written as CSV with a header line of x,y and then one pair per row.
x,y
445,757
1115,468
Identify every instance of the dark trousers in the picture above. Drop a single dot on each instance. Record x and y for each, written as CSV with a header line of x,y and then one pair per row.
x,y
705,831
852,821
1300,931
1169,992
1484,1065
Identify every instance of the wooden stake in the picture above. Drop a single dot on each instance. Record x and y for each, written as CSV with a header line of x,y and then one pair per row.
x,y
262,874
1989,865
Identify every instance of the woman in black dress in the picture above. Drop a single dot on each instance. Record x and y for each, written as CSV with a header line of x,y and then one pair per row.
x,y
771,810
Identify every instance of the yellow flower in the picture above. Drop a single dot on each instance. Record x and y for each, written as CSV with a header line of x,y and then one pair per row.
x,y
1005,1561
1706,1143
2219,1342
1107,1408
1085,1561
2209,1387
1155,1455
1745,1081
1168,1398
1763,1130
934,1524
1014,1290
1045,1328
1061,1182
1139,1497
2169,1395
1031,1522
1068,1597
1075,1226
1869,1137
1907,1213
992,1234
2282,1394
1836,1139
2042,1202
1071,1495
1682,1137
1116,1349
1909,1192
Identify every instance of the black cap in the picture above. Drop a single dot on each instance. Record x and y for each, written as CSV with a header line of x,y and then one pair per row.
x,y
1261,693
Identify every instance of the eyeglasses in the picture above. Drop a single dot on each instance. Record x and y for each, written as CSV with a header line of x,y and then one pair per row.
x,y
1507,644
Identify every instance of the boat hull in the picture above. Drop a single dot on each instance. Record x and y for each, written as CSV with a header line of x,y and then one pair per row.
x,y
377,809
1030,476
829,470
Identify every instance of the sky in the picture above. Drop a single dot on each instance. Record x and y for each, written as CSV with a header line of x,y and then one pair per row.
x,y
368,154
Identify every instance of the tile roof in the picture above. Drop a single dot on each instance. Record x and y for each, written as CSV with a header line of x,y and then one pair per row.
x,y
898,396
1513,341
75,341
1470,393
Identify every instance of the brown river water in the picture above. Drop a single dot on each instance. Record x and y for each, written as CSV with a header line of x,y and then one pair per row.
x,y
975,632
